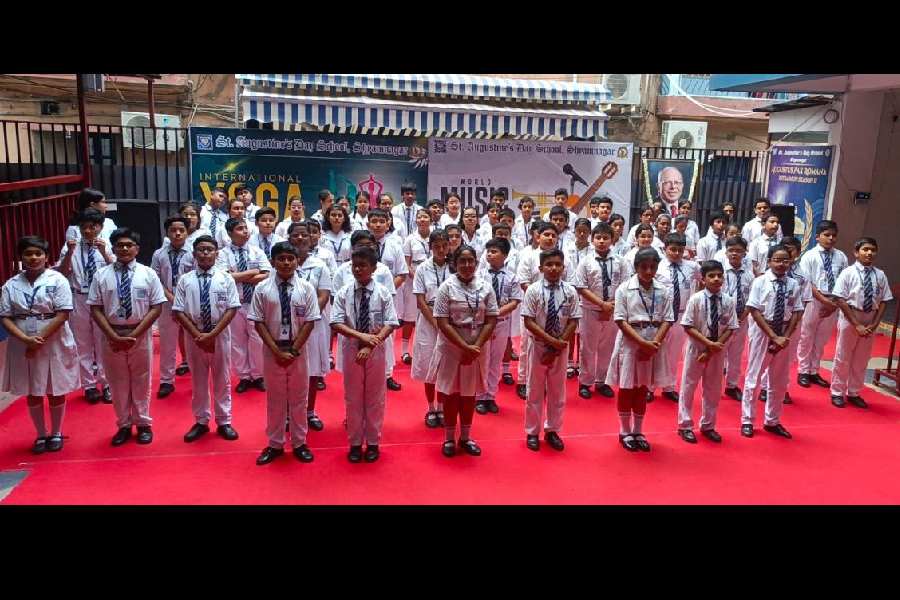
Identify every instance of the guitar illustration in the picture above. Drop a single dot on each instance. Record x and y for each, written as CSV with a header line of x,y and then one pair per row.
x,y
576,203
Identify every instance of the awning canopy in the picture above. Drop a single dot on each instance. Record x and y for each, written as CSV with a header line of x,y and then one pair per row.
x,y
362,114
776,82
804,102
451,86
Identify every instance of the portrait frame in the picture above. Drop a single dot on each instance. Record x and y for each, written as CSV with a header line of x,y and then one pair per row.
x,y
689,169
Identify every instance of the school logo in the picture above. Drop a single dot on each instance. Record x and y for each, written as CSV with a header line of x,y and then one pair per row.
x,y
440,146
622,152
204,141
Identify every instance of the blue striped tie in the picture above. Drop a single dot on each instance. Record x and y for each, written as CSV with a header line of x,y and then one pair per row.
x,y
552,324
125,290
826,262
90,266
778,313
739,293
284,297
714,318
362,316
247,289
606,280
869,300
205,308
676,290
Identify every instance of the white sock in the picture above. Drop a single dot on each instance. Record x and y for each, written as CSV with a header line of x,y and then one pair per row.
x,y
637,422
404,346
37,417
624,423
464,432
506,370
56,418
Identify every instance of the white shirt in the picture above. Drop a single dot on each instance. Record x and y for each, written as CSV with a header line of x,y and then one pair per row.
x,y
758,251
358,221
534,304
621,247
266,306
428,279
325,255
338,243
208,215
753,228
697,314
631,238
223,295
344,276
574,256
733,279
381,306
318,216
446,219
73,232
223,238
282,228
520,231
390,252
688,276
250,212
315,271
227,260
572,218
506,280
763,295
406,215
723,258
417,249
476,241
161,262
850,286
78,276
49,293
511,262
814,268
189,241
589,275
146,292
636,305
708,246
529,268
465,304
628,259
257,240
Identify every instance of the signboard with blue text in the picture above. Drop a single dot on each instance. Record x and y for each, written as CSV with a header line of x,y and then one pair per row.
x,y
798,175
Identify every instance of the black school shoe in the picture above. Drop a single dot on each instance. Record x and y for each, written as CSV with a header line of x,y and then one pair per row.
x,y
818,380
107,396
196,432
40,446
481,407
122,436
165,389
431,419
355,454
747,430
787,398
521,391
393,385
92,395
673,396
854,400
712,435
532,442
183,369
734,393
315,423
227,432
492,407
372,453
508,379
406,358
628,442
260,384
584,391
838,401
470,447
604,390
268,455
145,434
303,453
243,385
642,443
687,435
552,438
803,380
778,430
54,443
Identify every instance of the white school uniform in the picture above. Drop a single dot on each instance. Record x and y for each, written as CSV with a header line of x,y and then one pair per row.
x,y
73,232
216,365
598,330
763,297
128,371
496,346
416,248
169,269
246,345
814,329
758,252
573,257
89,337
691,233
572,218
364,390
446,219
190,239
223,238
520,231
213,220
466,305
358,222
646,311
53,370
806,296
250,211
688,278
708,246
631,238
315,272
753,228
852,352
527,272
287,388
390,252
547,383
282,228
265,243
476,241
318,216
406,215
628,259
737,279
344,276
327,256
697,314
427,280
722,257
621,247
339,245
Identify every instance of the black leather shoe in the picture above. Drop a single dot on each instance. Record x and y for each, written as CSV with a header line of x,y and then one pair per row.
x,y
513,357
196,432
604,390
92,395
642,443
440,417
406,358
712,435
183,369
372,453
532,442
687,435
122,436
787,398
393,385
54,443
315,423
260,384
331,363
107,396
164,390
854,400
470,447
268,455
320,384
144,435
492,407
552,438
673,396
227,432
40,446
803,380
481,407
571,373
243,385
747,430
628,442
763,395
818,380
508,379
431,419
838,401
449,449
355,454
733,393
584,391
303,453
778,430
521,391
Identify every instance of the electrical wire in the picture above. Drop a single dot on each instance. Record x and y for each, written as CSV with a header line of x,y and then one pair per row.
x,y
716,110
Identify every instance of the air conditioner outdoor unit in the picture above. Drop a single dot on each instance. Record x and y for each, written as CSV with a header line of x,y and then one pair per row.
x,y
137,132
684,134
625,89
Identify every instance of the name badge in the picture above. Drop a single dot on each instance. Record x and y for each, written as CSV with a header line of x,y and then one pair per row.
x,y
377,319
141,293
564,310
31,326
285,332
252,264
121,313
300,312
222,296
51,289
85,288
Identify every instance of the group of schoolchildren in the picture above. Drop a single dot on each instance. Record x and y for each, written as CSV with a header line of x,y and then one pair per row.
x,y
234,289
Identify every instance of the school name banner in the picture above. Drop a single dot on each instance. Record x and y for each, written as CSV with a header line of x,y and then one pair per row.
x,y
474,169
798,175
278,165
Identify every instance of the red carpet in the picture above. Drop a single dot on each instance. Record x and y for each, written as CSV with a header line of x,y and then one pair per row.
x,y
836,457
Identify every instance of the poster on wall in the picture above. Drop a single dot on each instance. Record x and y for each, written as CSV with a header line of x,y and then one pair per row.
x,y
474,169
670,181
277,165
798,175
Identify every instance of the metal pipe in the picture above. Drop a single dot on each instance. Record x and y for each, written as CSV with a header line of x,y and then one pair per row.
x,y
82,119
150,102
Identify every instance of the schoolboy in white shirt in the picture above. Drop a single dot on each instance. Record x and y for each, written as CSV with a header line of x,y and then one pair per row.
x,y
243,193
862,292
392,256
125,299
415,252
758,252
560,198
754,227
601,208
205,301
714,240
265,237
521,231
326,200
405,212
453,216
235,211
213,214
738,279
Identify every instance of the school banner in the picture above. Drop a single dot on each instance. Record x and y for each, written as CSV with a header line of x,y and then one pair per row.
x,y
277,165
798,175
475,168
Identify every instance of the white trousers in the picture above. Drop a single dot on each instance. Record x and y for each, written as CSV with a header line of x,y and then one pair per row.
x,y
388,355
494,350
129,381
168,343
691,374
203,365
674,347
546,384
734,352
364,394
814,334
597,340
758,360
792,352
89,340
246,346
287,392
851,356
524,346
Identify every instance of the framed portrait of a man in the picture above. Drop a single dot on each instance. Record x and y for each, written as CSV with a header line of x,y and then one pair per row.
x,y
670,181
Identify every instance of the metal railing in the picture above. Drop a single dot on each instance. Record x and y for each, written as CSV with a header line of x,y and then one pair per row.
x,y
678,84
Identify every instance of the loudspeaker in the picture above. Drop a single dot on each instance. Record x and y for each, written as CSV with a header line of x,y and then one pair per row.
x,y
141,216
785,214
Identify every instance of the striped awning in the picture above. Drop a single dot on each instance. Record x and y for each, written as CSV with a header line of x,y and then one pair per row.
x,y
361,114
450,86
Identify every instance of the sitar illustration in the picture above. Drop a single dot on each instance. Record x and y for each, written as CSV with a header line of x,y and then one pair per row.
x,y
575,203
